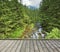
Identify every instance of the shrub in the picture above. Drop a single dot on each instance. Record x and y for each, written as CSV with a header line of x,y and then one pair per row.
x,y
54,34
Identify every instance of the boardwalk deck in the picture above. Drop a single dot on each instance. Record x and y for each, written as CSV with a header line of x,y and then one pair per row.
x,y
29,45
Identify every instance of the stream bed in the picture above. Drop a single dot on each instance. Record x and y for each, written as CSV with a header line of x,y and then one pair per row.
x,y
37,34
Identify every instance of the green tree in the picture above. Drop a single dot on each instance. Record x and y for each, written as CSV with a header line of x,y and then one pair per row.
x,y
49,13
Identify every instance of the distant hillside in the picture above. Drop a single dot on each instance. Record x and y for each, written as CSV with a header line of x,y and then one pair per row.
x,y
32,7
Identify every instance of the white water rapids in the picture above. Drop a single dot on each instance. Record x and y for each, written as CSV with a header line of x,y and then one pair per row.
x,y
38,33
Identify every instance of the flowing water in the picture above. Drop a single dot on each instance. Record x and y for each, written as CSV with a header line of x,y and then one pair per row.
x,y
38,33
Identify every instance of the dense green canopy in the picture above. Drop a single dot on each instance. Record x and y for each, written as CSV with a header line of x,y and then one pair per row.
x,y
17,20
50,14
14,17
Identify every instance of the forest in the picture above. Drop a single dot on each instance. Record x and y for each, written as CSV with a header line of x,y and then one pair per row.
x,y
19,21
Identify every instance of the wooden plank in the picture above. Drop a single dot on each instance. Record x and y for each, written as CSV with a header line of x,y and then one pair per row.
x,y
56,45
39,46
8,45
11,46
50,46
1,42
47,46
23,48
15,46
43,46
56,42
53,46
35,46
27,45
31,46
19,46
3,45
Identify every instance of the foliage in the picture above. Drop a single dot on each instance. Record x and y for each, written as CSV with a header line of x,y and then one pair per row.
x,y
54,34
17,33
49,13
11,19
14,17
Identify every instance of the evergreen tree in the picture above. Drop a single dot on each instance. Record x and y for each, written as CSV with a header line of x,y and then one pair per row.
x,y
50,14
10,17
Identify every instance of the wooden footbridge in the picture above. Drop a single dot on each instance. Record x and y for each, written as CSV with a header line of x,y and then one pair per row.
x,y
30,45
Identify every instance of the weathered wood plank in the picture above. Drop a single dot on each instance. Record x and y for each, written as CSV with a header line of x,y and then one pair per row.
x,y
35,46
43,46
23,48
39,46
1,41
11,46
20,46
49,46
56,45
29,45
53,46
3,45
15,46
